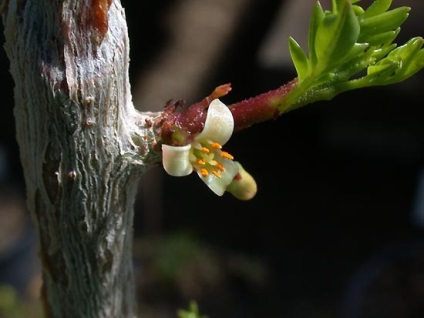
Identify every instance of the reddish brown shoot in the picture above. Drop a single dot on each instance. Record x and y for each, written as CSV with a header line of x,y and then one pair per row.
x,y
179,124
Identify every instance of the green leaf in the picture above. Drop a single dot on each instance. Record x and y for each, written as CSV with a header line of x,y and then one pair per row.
x,y
405,51
386,68
316,19
418,62
382,39
335,5
400,64
356,50
380,53
358,10
299,59
377,7
409,55
336,35
383,22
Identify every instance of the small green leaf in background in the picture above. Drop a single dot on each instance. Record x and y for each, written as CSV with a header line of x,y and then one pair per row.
x,y
192,312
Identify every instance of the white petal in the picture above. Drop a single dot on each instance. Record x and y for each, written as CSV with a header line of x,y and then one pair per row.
x,y
219,124
176,161
219,185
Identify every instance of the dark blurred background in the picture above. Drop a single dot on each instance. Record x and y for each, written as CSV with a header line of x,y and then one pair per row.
x,y
336,228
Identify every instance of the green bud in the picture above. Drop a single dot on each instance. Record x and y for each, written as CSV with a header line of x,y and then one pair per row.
x,y
243,186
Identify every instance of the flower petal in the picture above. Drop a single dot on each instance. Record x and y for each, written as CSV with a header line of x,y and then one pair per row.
x,y
219,185
176,161
219,124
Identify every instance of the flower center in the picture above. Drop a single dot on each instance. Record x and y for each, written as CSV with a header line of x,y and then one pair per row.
x,y
207,157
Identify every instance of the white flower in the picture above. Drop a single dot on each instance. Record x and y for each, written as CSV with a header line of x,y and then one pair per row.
x,y
204,155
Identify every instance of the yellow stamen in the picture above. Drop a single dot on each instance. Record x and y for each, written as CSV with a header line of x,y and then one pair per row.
x,y
220,167
200,162
204,172
216,145
216,174
205,150
226,155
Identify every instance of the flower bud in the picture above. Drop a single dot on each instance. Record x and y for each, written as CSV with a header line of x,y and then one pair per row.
x,y
243,186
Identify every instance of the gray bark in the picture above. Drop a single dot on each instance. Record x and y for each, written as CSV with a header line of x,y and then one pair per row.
x,y
83,148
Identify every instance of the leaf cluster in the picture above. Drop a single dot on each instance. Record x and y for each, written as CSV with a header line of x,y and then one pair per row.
x,y
350,47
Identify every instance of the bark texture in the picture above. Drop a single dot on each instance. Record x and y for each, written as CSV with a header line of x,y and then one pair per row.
x,y
83,148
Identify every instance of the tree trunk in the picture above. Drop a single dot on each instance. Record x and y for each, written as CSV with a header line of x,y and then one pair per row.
x,y
83,148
